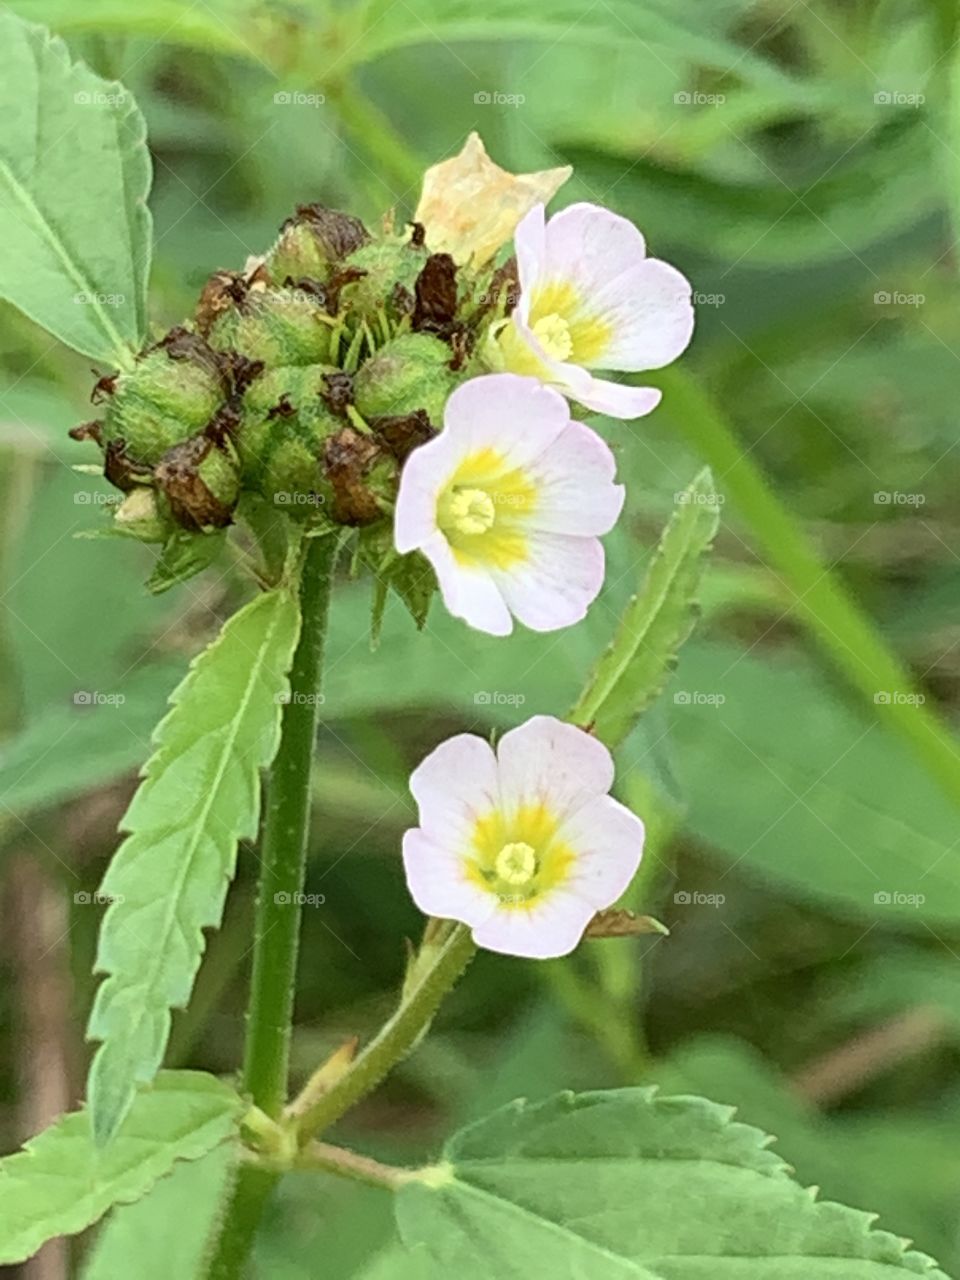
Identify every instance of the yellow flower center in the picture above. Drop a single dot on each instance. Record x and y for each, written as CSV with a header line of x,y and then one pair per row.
x,y
553,334
469,511
519,856
482,511
516,863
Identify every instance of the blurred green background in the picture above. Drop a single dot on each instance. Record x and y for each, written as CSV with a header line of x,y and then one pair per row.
x,y
800,162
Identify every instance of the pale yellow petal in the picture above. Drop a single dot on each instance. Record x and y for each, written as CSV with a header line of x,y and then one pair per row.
x,y
470,206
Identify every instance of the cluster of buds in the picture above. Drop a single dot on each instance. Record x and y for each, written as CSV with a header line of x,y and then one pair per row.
x,y
301,386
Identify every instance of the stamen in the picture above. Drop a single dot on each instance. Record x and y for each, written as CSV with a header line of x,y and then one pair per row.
x,y
469,511
553,334
516,863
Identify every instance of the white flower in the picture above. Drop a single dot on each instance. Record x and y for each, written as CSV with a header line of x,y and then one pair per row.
x,y
591,299
507,504
524,845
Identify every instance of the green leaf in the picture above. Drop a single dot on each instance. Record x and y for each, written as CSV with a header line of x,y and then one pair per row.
x,y
199,797
628,1184
67,750
191,1197
74,177
634,669
61,1182
785,779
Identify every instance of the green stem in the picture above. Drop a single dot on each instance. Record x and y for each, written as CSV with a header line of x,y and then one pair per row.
x,y
844,630
437,969
348,1164
277,921
372,131
284,849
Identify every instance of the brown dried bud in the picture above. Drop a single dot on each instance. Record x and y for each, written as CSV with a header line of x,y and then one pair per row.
x,y
436,295
349,459
189,473
404,432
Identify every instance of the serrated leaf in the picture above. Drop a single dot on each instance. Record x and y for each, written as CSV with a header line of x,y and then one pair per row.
x,y
192,1197
199,797
61,1182
74,177
656,622
626,1184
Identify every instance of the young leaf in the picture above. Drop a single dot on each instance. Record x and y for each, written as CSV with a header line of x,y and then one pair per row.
x,y
627,1184
657,621
74,176
61,1182
169,878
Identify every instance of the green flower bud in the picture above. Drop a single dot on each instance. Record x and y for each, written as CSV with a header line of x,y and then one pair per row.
x,y
407,373
172,391
312,241
140,515
388,286
201,481
286,422
277,326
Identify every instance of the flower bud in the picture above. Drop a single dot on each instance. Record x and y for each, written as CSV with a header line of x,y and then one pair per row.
x,y
286,421
313,240
201,481
140,516
172,391
277,326
408,373
389,281
363,477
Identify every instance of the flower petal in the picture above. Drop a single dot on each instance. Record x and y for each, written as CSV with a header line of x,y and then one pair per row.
x,y
456,784
591,246
557,581
650,315
438,883
547,761
551,928
469,591
608,841
574,485
516,416
616,400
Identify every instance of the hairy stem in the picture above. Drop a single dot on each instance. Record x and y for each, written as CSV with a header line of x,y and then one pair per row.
x,y
277,924
437,968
